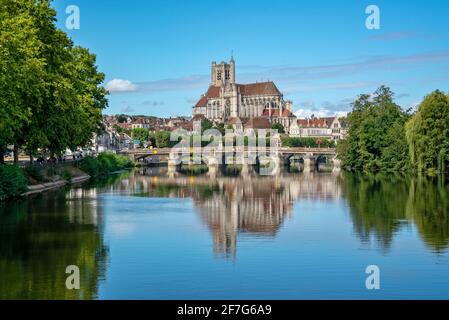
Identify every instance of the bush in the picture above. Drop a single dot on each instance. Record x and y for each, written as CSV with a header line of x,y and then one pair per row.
x,y
296,142
52,171
90,165
67,174
13,182
105,163
34,173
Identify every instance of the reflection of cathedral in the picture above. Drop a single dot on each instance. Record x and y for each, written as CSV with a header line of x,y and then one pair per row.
x,y
257,207
233,207
247,208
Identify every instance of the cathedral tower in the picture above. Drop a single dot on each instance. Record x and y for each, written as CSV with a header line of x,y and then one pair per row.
x,y
223,73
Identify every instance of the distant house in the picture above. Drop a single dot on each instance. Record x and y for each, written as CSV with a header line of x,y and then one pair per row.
x,y
330,127
140,124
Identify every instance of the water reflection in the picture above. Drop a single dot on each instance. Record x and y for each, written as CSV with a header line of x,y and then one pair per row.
x,y
381,205
40,237
235,206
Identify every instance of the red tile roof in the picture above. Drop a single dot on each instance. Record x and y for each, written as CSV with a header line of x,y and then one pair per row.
x,y
235,120
258,123
252,89
198,117
275,113
259,88
212,93
316,122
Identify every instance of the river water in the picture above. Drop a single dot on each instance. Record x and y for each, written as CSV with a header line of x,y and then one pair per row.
x,y
151,235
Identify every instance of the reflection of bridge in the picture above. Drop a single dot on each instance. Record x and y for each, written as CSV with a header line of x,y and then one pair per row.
x,y
236,155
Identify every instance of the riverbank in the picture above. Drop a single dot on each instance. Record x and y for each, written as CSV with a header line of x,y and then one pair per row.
x,y
21,182
39,188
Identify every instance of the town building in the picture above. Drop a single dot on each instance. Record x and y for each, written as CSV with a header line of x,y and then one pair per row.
x,y
331,127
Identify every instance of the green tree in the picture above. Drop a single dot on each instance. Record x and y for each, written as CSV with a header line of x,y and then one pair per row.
x,y
206,124
143,135
376,136
279,127
51,89
428,134
21,69
122,118
162,139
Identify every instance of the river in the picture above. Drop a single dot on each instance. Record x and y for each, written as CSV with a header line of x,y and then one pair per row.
x,y
147,234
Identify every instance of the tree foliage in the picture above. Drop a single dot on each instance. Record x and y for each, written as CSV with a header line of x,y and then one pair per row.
x,y
376,136
279,127
51,96
297,142
428,134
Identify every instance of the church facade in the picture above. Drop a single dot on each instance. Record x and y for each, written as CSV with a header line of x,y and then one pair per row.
x,y
226,100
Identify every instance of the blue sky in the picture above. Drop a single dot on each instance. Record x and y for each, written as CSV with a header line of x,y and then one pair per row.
x,y
156,54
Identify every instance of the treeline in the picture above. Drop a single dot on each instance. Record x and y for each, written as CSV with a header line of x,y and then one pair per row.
x,y
51,97
159,139
104,164
298,142
384,137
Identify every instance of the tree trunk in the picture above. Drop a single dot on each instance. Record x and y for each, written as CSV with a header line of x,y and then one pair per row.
x,y
16,154
31,158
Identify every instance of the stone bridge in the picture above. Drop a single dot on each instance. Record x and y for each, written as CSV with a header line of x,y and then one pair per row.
x,y
236,155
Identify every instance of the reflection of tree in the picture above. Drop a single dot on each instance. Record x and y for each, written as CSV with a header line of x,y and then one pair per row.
x,y
379,205
428,206
40,237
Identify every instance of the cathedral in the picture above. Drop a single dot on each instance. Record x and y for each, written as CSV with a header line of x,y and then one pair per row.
x,y
226,100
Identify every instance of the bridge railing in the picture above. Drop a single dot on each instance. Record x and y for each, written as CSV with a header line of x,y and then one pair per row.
x,y
231,149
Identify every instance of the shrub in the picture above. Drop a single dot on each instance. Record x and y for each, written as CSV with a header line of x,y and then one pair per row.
x,y
90,165
13,181
67,174
296,142
34,173
105,163
52,171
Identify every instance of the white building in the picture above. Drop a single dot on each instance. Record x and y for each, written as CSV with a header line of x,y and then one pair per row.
x,y
332,128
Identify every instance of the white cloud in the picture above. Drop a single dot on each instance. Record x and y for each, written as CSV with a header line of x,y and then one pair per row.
x,y
128,109
153,103
322,112
120,85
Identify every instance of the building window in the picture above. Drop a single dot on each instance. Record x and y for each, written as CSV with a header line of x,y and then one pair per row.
x,y
218,75
227,76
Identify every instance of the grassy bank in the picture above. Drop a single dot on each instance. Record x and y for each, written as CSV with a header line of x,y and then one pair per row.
x,y
14,181
37,174
104,164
